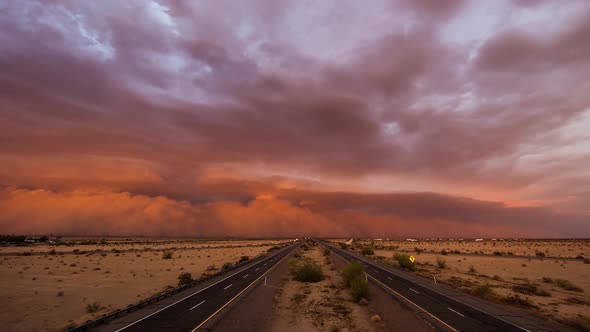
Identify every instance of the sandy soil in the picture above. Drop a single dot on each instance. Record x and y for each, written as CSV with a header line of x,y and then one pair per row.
x,y
87,245
49,292
503,273
321,306
550,248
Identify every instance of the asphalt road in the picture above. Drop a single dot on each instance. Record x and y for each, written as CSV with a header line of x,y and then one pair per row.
x,y
194,310
452,314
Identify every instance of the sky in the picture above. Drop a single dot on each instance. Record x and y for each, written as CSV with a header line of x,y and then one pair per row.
x,y
281,118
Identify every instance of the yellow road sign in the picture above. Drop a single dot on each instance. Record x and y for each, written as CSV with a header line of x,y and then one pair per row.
x,y
412,259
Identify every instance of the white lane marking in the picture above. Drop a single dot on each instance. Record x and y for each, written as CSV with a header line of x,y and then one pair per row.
x,y
458,313
415,291
445,296
196,305
389,278
245,276
227,287
184,298
257,269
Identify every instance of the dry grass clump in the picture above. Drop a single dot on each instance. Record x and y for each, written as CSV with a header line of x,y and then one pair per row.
x,y
484,291
93,307
185,278
562,283
530,289
167,255
519,301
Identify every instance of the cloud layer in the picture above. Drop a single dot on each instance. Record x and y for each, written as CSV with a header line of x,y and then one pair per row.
x,y
275,118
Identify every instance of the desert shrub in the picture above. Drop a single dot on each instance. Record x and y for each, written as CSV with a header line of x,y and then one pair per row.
x,y
309,272
404,261
166,255
351,271
274,248
359,288
353,277
472,269
226,266
343,245
530,289
547,280
326,252
184,278
52,252
540,254
483,291
211,267
567,285
498,253
92,307
444,252
243,259
519,301
497,277
368,250
418,250
441,262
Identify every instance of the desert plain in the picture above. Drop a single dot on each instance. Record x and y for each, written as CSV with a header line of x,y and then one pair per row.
x,y
55,287
546,278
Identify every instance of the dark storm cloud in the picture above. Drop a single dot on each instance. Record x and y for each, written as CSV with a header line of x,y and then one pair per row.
x,y
164,93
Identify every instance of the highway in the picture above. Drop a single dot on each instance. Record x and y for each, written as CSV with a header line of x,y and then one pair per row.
x,y
194,310
448,311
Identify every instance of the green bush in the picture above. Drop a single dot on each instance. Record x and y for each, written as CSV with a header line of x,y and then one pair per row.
x,y
243,259
351,271
353,275
404,261
483,291
184,278
368,250
359,288
343,245
441,262
326,252
309,272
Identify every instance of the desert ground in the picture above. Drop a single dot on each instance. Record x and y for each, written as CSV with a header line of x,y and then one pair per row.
x,y
548,278
49,287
